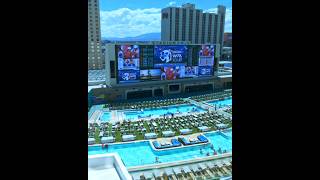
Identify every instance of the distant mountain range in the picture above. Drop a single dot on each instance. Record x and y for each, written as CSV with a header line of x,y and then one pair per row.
x,y
143,37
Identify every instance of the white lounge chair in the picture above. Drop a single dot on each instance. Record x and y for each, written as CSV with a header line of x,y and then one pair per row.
x,y
168,171
177,171
136,176
91,141
148,175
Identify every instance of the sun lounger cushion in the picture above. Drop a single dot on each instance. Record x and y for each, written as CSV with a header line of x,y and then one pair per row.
x,y
202,138
175,142
156,144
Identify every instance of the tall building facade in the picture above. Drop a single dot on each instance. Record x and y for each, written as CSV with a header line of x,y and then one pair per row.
x,y
227,42
187,23
95,59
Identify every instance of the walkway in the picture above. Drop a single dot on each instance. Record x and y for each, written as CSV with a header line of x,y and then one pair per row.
x,y
200,104
95,116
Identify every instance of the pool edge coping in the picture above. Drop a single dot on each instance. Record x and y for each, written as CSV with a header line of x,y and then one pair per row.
x,y
177,163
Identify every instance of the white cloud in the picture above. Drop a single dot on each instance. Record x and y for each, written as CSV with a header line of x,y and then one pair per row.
x,y
125,22
172,3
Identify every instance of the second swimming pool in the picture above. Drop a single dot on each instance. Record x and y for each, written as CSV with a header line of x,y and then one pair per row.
x,y
105,117
140,153
159,112
221,103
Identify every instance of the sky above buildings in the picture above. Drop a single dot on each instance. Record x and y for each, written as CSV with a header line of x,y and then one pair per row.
x,y
129,18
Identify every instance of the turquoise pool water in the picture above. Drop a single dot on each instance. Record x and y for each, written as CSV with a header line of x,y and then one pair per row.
x,y
162,111
105,117
140,153
221,103
228,132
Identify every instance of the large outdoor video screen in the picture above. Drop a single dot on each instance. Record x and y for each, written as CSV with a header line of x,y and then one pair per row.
x,y
128,57
126,76
206,55
170,54
150,74
191,71
172,72
205,71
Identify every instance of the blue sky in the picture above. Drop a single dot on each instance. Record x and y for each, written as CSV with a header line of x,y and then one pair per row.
x,y
128,18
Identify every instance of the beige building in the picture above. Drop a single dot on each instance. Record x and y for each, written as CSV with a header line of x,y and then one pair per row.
x,y
187,23
95,60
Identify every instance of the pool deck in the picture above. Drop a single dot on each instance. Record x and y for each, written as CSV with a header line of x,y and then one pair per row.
x,y
119,115
95,116
168,164
149,140
168,139
176,115
201,104
175,163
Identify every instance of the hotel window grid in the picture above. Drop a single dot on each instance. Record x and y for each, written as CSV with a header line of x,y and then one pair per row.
x,y
177,25
210,28
184,19
197,26
170,27
215,29
221,30
190,24
203,27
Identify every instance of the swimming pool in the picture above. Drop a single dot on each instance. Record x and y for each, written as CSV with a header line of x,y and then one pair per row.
x,y
222,103
106,116
159,112
141,153
228,132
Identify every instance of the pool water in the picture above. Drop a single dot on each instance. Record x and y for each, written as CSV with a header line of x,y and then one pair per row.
x,y
105,117
228,133
159,112
141,153
222,103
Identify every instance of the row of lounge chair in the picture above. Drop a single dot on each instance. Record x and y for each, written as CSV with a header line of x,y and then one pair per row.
x,y
191,141
212,96
145,104
163,145
177,142
204,170
229,110
160,126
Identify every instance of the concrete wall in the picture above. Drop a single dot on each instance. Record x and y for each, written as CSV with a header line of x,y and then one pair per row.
x,y
106,161
120,92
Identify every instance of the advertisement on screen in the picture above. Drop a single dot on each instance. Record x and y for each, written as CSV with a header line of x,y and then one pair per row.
x,y
128,57
126,76
205,70
206,55
191,71
170,54
172,72
150,74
